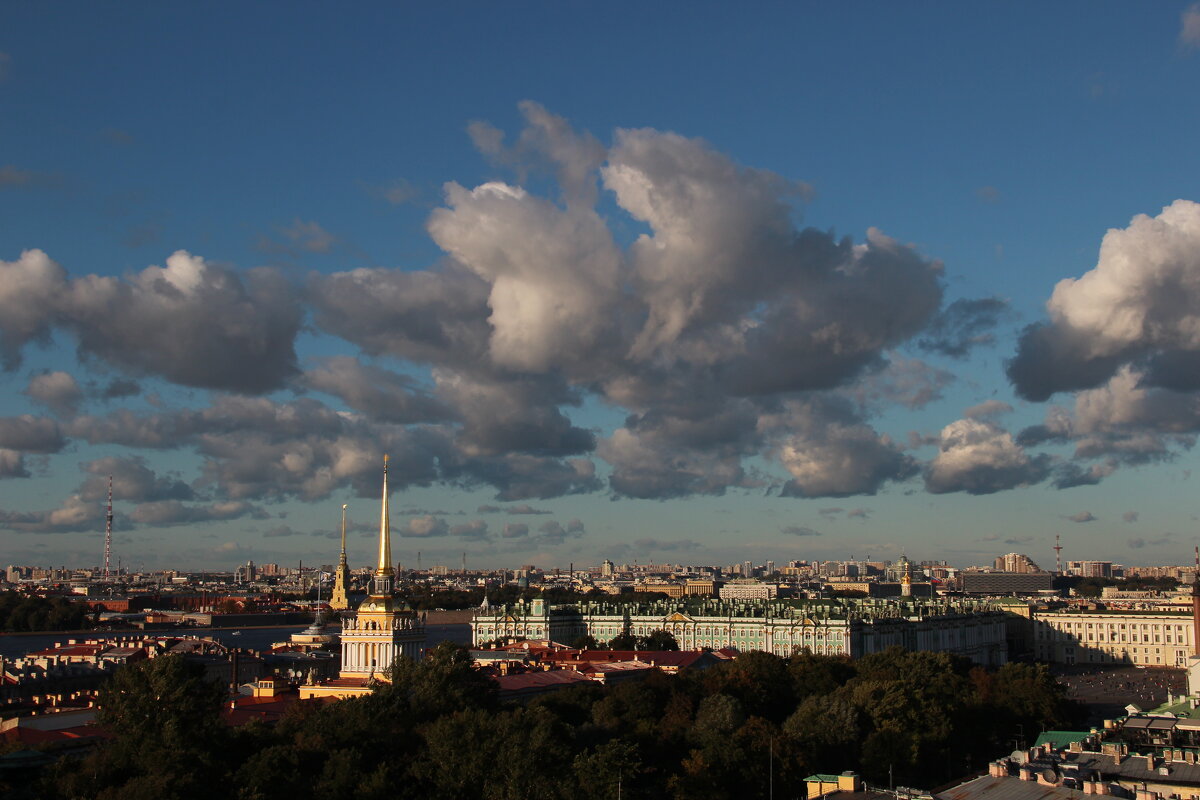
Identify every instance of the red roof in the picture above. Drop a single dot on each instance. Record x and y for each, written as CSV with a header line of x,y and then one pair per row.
x,y
35,736
71,650
665,659
262,709
537,682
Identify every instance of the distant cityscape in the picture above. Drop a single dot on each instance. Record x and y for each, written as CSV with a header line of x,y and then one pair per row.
x,y
744,580
272,636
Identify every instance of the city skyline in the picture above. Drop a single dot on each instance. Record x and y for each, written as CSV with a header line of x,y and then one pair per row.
x,y
683,284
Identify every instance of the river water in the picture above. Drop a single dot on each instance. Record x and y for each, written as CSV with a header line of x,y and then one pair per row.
x,y
13,645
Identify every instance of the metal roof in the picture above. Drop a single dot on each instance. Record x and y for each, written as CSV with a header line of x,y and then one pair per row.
x,y
1007,788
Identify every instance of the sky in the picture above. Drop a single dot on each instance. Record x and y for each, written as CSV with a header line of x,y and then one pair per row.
x,y
674,282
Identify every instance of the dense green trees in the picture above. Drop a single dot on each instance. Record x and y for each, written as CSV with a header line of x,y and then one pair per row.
x,y
438,731
22,612
168,741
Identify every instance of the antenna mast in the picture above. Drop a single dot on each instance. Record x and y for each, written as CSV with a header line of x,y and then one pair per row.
x,y
1058,553
108,518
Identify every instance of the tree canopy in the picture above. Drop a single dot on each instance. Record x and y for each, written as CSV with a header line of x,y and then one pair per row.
x,y
438,731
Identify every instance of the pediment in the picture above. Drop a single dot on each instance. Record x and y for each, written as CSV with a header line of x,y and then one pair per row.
x,y
678,616
509,618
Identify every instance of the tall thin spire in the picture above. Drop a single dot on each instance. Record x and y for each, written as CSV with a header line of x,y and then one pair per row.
x,y
108,520
343,531
341,580
385,533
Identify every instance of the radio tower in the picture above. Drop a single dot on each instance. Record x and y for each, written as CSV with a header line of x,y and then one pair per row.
x,y
108,516
1058,553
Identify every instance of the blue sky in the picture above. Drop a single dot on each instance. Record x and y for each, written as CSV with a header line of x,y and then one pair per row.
x,y
692,282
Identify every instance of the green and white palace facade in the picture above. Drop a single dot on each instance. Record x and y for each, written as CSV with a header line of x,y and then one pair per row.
x,y
850,627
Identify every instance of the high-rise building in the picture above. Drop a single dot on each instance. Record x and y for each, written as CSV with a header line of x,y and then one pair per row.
x,y
1090,569
246,573
1016,562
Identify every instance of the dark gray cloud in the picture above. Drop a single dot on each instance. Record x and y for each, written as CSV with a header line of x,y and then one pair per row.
x,y
988,409
525,508
280,531
514,415
554,533
1123,421
30,434
131,480
119,388
800,530
1070,475
1082,516
519,476
906,382
382,394
661,455
515,530
1139,542
964,325
192,322
167,513
425,317
475,530
1049,361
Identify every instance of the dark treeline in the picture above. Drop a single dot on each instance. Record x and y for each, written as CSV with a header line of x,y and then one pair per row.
x,y
22,612
1091,587
439,732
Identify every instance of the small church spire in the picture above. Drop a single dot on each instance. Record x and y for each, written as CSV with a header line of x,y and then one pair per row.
x,y
340,601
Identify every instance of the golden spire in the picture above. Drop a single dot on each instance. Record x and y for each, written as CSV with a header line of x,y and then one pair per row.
x,y
343,531
385,534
